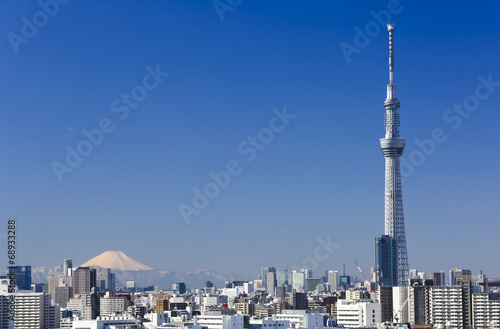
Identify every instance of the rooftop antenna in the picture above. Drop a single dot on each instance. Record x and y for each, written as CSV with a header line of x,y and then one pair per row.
x,y
343,270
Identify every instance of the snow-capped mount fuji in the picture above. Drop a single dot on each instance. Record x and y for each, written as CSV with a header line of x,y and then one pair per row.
x,y
126,268
116,260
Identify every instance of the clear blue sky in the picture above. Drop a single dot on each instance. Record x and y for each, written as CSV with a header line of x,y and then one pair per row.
x,y
323,174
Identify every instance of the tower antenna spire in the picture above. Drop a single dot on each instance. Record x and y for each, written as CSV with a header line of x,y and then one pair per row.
x,y
390,28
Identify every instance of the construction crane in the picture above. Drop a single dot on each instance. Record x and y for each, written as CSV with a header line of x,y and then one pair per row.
x,y
402,306
364,277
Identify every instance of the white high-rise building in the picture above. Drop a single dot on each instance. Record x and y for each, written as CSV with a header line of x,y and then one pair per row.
x,y
485,311
392,146
445,307
333,280
299,279
5,315
308,272
403,304
270,282
5,321
34,311
248,288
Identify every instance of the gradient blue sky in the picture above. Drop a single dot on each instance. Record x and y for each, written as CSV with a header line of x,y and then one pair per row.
x,y
322,175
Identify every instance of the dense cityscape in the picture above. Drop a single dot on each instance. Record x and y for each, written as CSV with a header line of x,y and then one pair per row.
x,y
90,297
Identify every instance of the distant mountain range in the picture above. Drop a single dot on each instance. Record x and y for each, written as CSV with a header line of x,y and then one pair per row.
x,y
128,269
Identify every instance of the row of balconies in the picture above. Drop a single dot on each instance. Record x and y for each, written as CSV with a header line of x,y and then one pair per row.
x,y
445,296
449,305
445,292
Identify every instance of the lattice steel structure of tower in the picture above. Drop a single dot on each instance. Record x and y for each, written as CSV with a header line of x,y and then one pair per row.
x,y
392,147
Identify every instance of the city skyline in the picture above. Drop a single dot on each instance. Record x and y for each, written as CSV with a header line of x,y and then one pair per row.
x,y
127,270
212,80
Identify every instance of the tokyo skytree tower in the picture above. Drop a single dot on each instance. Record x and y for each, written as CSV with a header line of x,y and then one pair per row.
x,y
392,147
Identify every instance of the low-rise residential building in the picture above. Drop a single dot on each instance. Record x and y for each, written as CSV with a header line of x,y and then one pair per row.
x,y
245,308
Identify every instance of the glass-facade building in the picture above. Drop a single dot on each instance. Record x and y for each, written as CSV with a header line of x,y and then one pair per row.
x,y
345,281
180,288
281,277
299,279
23,276
263,274
385,261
